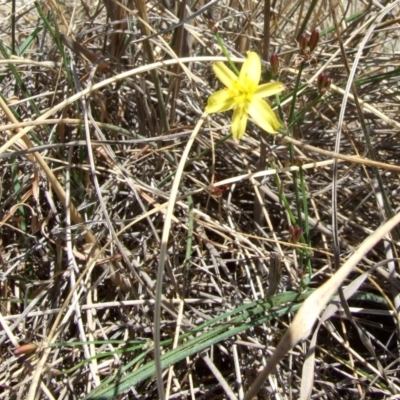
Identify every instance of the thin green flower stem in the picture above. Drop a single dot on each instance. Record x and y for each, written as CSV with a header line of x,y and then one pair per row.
x,y
189,244
295,185
261,166
291,149
300,115
310,11
294,95
298,208
278,104
305,237
282,196
277,181
306,234
226,54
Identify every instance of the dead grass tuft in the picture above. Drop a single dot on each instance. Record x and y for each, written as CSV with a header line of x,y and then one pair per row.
x,y
94,134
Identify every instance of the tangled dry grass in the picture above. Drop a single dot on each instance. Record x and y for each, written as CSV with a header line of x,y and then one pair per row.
x,y
100,101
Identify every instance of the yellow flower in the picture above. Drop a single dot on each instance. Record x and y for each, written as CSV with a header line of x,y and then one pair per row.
x,y
245,96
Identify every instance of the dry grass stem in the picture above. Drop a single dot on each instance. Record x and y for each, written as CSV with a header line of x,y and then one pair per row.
x,y
146,254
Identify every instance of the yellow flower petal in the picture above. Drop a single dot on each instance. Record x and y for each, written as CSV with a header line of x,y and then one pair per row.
x,y
239,121
251,69
220,101
224,74
263,115
269,89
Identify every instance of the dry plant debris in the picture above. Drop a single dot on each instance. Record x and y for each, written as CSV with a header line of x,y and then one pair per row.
x,y
130,217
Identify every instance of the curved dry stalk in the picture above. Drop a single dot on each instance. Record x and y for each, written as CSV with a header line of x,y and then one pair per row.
x,y
163,255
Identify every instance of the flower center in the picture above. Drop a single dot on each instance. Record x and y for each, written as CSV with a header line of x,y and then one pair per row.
x,y
242,90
